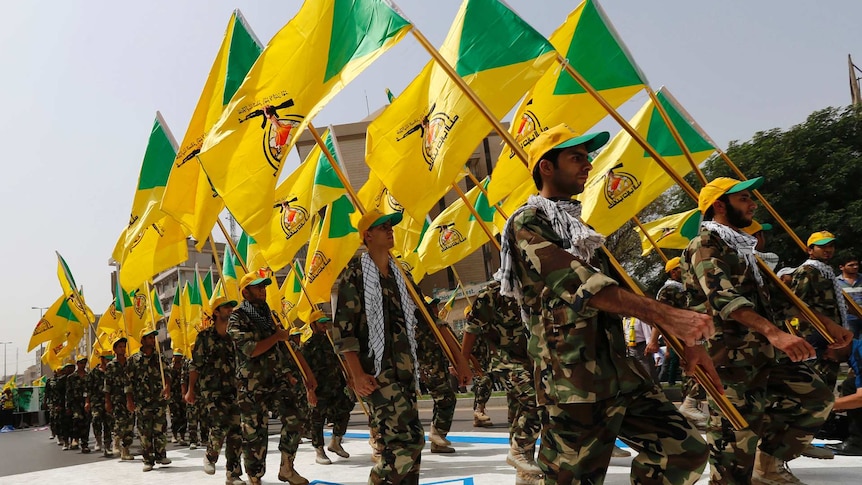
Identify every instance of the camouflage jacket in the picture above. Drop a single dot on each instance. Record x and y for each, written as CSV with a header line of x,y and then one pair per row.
x,y
432,358
96,388
267,370
323,361
115,382
144,382
817,292
176,381
214,359
498,320
50,391
719,282
60,392
673,296
76,392
579,352
350,325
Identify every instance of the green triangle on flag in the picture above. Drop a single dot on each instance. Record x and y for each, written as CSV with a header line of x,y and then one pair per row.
x,y
244,51
158,158
339,223
324,173
493,36
359,27
660,137
65,311
208,285
485,211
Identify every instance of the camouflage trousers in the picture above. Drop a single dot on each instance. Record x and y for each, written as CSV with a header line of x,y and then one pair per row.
x,y
525,416
80,426
179,421
103,424
62,422
253,407
400,437
225,428
124,422
54,414
444,401
784,405
828,371
578,439
303,410
481,390
152,424
333,408
197,423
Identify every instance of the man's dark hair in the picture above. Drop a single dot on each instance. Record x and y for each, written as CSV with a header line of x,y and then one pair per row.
x,y
552,156
710,213
847,259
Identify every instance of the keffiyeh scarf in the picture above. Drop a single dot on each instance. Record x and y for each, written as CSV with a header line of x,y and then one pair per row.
x,y
742,243
373,302
565,218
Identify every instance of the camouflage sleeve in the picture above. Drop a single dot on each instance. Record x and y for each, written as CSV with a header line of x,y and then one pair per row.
x,y
808,285
199,353
345,323
243,338
712,273
481,314
129,378
571,279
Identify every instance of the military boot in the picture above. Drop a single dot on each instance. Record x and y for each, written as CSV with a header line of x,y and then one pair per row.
x,y
126,454
480,419
286,473
691,410
769,470
335,447
231,479
522,459
98,446
522,478
321,458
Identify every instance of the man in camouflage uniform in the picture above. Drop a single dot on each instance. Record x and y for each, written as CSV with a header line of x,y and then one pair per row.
x,y
177,407
434,373
264,383
50,400
482,383
334,401
723,280
103,422
76,400
672,293
148,389
212,371
497,319
197,423
303,410
375,330
553,265
115,399
64,426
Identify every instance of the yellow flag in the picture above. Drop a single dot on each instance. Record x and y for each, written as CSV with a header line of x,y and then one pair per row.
x,y
70,289
53,324
624,178
189,197
325,46
514,200
111,319
423,138
311,187
153,240
590,44
333,243
177,323
291,293
665,232
456,233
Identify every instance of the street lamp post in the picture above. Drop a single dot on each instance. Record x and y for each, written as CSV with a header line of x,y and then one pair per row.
x,y
42,345
5,374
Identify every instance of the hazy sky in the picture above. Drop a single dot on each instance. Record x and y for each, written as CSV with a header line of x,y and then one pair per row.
x,y
82,80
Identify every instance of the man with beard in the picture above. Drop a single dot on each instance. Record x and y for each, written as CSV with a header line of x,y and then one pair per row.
x,y
263,381
723,280
115,398
147,392
213,371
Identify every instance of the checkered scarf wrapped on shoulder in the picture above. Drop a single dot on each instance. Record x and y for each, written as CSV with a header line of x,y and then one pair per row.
x,y
580,240
741,242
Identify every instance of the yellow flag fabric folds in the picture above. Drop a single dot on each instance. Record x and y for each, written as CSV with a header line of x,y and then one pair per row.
x,y
429,131
590,44
189,197
53,323
311,187
325,46
456,233
332,245
625,179
665,232
153,240
70,289
177,324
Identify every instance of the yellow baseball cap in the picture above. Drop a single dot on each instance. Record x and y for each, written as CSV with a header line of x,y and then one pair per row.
x,y
724,185
467,310
318,316
80,358
255,278
374,218
220,300
147,331
561,136
756,227
671,264
820,238
117,339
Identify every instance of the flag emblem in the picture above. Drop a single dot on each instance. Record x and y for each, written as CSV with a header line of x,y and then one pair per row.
x,y
619,185
449,236
286,306
529,129
43,326
139,304
277,130
390,201
293,218
434,129
318,263
665,232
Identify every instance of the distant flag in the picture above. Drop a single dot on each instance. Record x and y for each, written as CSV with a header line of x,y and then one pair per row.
x,y
52,325
72,292
177,323
250,253
291,293
430,130
389,96
189,197
229,279
111,319
324,47
590,44
625,179
40,382
153,241
332,245
447,307
665,232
